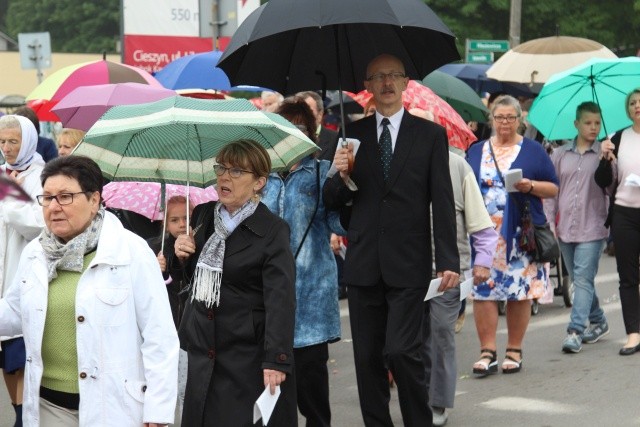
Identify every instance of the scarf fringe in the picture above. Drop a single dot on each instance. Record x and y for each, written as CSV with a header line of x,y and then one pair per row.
x,y
206,285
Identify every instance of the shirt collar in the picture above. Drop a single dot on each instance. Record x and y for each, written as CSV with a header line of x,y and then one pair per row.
x,y
394,120
595,147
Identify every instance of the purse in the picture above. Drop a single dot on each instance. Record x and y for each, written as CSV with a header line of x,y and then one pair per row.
x,y
547,249
536,240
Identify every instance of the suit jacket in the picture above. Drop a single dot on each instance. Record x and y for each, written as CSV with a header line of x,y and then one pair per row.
x,y
389,230
327,141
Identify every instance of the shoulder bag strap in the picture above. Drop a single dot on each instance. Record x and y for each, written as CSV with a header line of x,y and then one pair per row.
x,y
493,156
304,236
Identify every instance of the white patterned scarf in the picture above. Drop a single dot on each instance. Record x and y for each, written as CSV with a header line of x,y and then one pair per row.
x,y
69,256
208,275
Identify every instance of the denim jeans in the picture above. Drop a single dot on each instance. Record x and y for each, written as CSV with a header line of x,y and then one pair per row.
x,y
581,260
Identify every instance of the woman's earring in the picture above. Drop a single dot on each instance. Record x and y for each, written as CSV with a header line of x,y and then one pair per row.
x,y
256,197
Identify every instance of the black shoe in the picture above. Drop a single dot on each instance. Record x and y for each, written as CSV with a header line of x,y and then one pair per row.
x,y
628,351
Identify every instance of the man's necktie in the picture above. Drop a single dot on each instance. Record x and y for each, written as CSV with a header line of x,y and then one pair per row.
x,y
385,148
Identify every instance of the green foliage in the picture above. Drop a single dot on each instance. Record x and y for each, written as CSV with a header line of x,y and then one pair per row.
x,y
615,23
75,26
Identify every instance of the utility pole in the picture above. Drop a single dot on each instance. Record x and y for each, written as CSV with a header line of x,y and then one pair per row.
x,y
514,23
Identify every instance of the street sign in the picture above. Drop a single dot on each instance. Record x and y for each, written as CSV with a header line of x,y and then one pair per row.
x,y
35,50
480,57
489,45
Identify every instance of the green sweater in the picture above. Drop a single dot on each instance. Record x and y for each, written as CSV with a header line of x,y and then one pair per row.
x,y
59,350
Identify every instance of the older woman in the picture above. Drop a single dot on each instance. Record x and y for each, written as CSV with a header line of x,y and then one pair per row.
x,y
68,139
238,327
20,222
515,276
81,280
616,171
296,196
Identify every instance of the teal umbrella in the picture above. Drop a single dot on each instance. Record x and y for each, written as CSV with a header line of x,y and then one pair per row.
x,y
603,81
176,140
458,94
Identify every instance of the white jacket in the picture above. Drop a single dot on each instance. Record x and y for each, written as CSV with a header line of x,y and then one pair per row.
x,y
20,222
126,341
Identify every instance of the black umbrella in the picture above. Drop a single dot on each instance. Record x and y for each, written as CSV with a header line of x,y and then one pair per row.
x,y
294,45
351,106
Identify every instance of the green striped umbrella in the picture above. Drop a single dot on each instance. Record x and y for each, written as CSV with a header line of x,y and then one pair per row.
x,y
176,140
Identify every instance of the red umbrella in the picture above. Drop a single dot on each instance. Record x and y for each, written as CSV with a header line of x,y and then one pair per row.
x,y
63,81
420,96
42,107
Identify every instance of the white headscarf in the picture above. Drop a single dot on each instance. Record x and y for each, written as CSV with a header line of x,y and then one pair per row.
x,y
27,154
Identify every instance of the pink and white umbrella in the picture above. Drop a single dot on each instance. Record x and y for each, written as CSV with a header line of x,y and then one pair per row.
x,y
84,105
145,198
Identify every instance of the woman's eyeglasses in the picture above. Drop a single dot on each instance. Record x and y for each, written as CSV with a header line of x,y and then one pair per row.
x,y
62,198
233,172
505,119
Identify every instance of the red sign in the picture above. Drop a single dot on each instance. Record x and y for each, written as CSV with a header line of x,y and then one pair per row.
x,y
152,53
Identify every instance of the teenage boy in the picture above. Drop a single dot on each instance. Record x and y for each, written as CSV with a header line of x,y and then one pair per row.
x,y
581,210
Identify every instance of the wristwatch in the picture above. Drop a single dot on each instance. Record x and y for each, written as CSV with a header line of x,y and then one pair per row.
x,y
532,186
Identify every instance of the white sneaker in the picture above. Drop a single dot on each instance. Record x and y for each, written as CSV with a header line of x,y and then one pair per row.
x,y
440,418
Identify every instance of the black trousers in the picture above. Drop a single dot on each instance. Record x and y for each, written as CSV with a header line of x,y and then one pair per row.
x,y
312,382
625,229
386,325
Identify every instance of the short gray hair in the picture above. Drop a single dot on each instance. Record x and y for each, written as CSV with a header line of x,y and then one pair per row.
x,y
507,101
10,122
315,96
268,93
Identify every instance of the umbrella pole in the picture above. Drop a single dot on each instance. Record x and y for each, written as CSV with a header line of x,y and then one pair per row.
x,y
595,97
187,182
163,205
336,28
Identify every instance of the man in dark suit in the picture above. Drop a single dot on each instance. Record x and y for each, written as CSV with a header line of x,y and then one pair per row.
x,y
326,136
401,168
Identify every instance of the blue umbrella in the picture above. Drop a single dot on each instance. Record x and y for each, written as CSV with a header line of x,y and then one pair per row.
x,y
475,75
197,71
603,81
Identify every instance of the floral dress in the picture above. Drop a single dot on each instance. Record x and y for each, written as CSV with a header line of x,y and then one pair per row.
x,y
519,278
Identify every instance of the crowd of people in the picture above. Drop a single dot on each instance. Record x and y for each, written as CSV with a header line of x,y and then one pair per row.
x,y
191,326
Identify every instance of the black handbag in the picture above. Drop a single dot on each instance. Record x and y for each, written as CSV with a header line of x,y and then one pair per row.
x,y
537,240
547,248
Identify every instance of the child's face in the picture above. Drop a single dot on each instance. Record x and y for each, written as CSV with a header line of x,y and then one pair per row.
x,y
177,219
589,126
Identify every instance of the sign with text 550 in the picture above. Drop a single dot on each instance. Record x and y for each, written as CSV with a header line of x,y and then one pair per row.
x,y
162,17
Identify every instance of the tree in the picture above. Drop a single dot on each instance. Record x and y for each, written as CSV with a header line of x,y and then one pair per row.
x,y
75,25
615,24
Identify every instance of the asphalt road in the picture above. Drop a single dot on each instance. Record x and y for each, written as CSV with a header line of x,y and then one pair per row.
x,y
595,387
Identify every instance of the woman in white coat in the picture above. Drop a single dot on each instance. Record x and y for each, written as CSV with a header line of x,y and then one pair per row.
x,y
89,298
20,222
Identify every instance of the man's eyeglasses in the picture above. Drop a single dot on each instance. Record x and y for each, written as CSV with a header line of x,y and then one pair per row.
x,y
233,172
380,77
62,198
505,119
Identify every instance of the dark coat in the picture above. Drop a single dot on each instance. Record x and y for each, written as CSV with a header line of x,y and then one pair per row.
x,y
251,329
389,231
327,141
176,289
47,148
